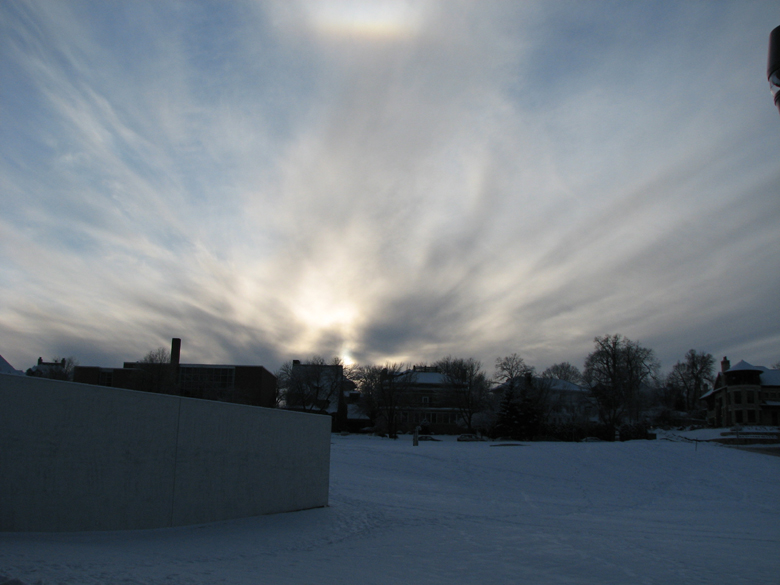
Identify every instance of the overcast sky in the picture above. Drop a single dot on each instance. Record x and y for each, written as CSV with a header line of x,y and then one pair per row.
x,y
387,180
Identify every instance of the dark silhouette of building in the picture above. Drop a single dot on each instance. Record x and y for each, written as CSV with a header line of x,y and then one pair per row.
x,y
44,369
324,389
251,385
429,403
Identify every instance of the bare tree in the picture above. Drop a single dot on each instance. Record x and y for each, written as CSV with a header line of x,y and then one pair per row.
x,y
69,365
525,405
615,372
467,386
384,391
564,371
312,386
667,395
691,376
161,355
512,369
60,368
156,372
368,379
284,380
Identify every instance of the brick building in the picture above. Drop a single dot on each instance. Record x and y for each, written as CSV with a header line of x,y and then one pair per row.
x,y
744,395
251,385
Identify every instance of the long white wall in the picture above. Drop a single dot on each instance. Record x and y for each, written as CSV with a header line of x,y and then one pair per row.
x,y
78,457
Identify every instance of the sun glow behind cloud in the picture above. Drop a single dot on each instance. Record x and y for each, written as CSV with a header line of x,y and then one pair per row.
x,y
358,19
286,180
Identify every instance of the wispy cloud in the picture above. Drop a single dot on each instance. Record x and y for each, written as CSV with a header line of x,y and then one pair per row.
x,y
388,180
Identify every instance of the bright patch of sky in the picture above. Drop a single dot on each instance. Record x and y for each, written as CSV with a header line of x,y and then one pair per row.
x,y
387,180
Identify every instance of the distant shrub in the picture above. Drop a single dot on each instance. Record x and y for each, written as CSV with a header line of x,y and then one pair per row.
x,y
632,432
577,431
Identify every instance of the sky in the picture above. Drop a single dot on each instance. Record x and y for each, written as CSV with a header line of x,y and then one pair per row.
x,y
387,180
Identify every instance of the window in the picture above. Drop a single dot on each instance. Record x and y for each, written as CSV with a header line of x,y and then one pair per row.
x,y
206,381
106,378
751,415
738,416
738,398
426,399
750,396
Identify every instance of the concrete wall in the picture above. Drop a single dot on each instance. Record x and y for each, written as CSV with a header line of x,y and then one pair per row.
x,y
80,457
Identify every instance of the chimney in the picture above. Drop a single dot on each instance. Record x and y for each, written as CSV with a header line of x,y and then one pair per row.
x,y
725,364
175,351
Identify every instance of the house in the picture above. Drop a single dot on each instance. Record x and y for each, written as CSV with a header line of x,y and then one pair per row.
x,y
356,420
314,387
744,394
250,385
49,369
570,403
429,402
324,389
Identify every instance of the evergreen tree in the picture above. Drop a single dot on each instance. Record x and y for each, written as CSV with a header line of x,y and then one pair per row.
x,y
530,418
509,421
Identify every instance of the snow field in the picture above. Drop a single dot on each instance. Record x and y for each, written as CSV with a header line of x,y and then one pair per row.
x,y
445,512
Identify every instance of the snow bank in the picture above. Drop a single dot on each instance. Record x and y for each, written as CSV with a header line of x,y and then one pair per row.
x,y
709,434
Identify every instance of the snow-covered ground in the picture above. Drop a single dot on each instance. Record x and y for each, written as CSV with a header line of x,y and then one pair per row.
x,y
640,512
708,434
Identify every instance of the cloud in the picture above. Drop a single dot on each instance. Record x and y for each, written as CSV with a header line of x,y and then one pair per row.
x,y
387,180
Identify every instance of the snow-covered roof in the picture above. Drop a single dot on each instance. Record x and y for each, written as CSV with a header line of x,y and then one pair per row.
x,y
769,377
564,386
743,366
708,393
424,378
433,378
355,413
6,368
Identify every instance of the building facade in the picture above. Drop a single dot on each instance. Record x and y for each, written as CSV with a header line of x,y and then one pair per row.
x,y
250,385
744,395
324,389
55,370
429,403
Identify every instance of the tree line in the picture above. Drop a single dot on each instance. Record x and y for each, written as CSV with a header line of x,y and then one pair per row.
x,y
621,384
